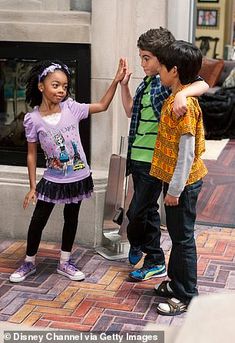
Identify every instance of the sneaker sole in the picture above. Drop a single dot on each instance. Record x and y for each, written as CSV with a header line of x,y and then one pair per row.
x,y
12,279
150,277
74,278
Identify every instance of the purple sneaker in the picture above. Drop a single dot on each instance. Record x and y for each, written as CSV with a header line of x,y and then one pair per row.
x,y
26,269
70,270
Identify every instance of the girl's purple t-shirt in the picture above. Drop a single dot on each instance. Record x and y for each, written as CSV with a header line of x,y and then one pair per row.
x,y
65,158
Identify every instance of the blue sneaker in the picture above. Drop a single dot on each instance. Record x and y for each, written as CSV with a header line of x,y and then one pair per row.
x,y
145,273
135,255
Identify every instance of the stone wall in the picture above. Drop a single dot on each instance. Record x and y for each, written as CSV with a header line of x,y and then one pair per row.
x,y
35,5
41,23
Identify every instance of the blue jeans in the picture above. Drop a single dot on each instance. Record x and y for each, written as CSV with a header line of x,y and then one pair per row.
x,y
144,221
180,220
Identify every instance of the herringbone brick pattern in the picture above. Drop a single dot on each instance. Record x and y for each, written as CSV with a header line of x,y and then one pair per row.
x,y
107,300
216,200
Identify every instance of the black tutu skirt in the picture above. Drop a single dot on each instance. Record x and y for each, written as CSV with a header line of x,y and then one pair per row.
x,y
64,193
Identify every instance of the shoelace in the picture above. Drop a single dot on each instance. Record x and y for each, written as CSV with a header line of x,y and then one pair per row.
x,y
25,267
71,266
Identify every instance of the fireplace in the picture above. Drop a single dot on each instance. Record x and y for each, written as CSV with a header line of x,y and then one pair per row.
x,y
16,58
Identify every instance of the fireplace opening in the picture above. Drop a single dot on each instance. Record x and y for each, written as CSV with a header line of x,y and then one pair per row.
x,y
16,58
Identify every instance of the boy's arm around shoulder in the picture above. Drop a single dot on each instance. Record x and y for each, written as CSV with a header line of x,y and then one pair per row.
x,y
186,122
196,88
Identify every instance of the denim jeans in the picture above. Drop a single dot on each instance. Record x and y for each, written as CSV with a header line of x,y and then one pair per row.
x,y
144,221
180,220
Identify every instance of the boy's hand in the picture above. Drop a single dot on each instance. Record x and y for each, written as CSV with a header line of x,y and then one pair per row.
x,y
127,75
30,196
180,104
171,201
120,74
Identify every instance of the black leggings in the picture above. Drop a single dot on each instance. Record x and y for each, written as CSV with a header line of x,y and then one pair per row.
x,y
39,219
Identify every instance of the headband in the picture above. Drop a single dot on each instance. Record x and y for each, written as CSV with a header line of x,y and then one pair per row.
x,y
51,69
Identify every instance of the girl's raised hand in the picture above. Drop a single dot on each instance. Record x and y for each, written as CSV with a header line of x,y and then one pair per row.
x,y
121,72
30,196
127,75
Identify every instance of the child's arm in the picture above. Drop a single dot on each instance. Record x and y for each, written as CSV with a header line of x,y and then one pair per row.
x,y
105,101
31,162
127,100
197,88
182,170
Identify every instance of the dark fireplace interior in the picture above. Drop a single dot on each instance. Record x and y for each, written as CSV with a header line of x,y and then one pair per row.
x,y
16,58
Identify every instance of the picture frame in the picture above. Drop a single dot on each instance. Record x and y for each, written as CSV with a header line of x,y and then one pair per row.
x,y
205,1
207,17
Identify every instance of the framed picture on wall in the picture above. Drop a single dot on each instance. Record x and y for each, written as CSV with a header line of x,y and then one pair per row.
x,y
207,17
208,0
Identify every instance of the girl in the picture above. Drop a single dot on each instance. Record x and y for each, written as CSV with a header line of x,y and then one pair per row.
x,y
54,122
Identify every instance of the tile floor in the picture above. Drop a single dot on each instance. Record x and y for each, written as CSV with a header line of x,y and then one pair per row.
x,y
107,300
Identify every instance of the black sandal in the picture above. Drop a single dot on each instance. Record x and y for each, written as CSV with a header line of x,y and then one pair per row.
x,y
175,308
162,290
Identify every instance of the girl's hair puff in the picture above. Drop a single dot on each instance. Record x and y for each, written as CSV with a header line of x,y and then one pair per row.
x,y
33,94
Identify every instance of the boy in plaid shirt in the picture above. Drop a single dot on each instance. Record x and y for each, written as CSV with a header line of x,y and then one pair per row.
x,y
143,230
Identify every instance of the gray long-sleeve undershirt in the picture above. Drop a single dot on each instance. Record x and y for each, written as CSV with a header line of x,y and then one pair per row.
x,y
183,165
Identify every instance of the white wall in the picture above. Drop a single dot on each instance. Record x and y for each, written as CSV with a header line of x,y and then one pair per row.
x,y
181,18
116,26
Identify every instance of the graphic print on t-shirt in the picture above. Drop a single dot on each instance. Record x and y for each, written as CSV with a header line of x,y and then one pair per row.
x,y
77,162
69,158
59,140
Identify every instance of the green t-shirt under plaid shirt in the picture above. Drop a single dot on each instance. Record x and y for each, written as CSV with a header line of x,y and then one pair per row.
x,y
158,94
143,145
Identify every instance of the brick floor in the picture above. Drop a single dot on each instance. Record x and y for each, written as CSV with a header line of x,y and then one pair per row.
x,y
107,300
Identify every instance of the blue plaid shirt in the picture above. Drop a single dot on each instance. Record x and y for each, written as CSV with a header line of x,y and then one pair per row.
x,y
158,94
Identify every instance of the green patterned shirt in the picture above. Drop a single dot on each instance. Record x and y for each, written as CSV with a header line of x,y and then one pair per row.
x,y
143,145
